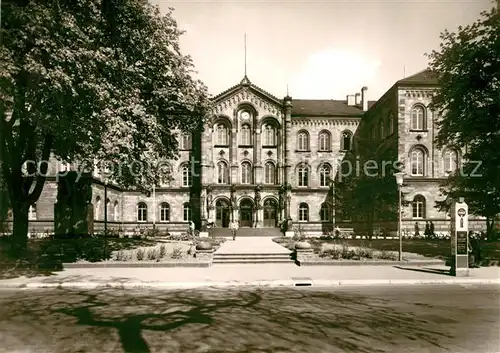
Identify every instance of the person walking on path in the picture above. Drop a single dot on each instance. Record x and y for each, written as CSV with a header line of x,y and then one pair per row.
x,y
234,229
431,227
427,231
191,228
474,252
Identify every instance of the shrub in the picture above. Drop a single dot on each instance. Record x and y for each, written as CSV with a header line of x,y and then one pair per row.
x,y
387,255
140,255
332,253
162,252
152,233
176,253
365,252
152,254
345,250
120,256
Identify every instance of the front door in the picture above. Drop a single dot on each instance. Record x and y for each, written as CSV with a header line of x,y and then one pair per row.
x,y
270,211
246,213
222,214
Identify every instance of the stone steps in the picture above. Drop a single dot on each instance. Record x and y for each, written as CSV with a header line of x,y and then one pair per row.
x,y
248,258
251,261
246,232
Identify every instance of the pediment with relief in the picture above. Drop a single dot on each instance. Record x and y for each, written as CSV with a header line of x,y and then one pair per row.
x,y
264,102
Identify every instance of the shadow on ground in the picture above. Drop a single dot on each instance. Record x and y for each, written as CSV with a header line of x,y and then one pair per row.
x,y
426,270
249,321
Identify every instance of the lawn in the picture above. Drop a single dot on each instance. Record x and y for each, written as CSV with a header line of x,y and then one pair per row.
x,y
440,249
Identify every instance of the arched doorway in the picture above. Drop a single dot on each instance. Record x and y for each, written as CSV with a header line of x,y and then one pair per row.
x,y
222,214
246,213
270,213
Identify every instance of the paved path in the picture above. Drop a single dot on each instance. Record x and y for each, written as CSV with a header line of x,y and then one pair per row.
x,y
423,319
251,245
258,274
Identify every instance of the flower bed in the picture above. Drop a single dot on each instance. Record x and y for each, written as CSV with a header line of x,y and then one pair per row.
x,y
49,254
328,250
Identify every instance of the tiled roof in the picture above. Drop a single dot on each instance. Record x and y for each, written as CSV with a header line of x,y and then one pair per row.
x,y
304,107
323,107
420,78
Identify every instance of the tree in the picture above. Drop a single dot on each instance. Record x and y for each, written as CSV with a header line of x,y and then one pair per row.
x,y
85,79
467,66
370,193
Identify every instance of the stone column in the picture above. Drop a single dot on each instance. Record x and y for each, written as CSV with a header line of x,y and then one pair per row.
x,y
258,157
234,155
260,218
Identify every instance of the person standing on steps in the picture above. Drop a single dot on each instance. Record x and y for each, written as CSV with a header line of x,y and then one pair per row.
x,y
234,228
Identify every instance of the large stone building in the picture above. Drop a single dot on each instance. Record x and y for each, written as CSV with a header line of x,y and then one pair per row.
x,y
262,160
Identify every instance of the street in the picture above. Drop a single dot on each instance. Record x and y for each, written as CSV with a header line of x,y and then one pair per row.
x,y
420,318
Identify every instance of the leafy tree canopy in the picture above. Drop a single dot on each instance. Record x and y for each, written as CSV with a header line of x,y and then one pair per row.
x,y
467,66
91,78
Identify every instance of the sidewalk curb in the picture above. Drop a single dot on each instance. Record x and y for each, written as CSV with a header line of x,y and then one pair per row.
x,y
263,283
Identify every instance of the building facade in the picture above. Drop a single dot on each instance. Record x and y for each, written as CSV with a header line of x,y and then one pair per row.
x,y
262,160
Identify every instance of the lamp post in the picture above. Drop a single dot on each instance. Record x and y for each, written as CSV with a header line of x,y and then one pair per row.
x,y
399,180
154,206
105,207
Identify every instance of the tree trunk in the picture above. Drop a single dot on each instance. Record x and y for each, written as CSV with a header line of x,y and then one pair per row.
x,y
19,238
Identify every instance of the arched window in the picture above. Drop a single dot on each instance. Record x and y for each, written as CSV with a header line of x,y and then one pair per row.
x,y
391,124
246,138
450,161
303,212
165,175
222,135
187,178
246,173
324,141
270,173
115,211
32,212
418,207
97,211
186,212
186,141
164,212
142,212
303,175
303,141
269,135
109,210
382,132
417,159
324,175
222,173
346,140
325,213
418,118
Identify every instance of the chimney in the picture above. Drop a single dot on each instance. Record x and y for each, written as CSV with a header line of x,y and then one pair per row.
x,y
350,100
358,98
364,99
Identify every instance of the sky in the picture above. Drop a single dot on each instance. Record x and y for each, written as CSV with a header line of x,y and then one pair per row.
x,y
318,49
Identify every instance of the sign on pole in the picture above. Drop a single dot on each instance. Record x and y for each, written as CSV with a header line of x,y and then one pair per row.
x,y
460,238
